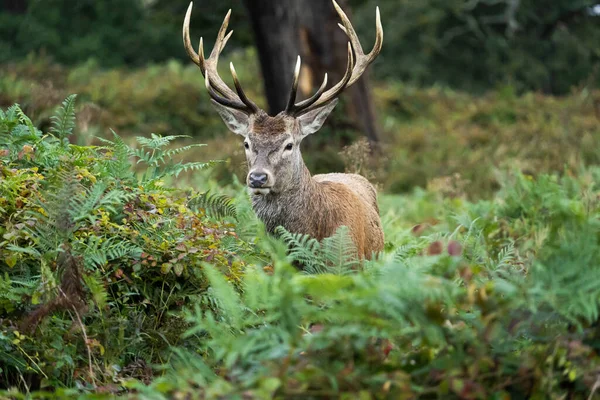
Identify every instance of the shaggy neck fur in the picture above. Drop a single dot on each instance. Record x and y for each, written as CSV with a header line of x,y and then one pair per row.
x,y
291,208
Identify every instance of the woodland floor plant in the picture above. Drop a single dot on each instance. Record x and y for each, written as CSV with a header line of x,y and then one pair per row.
x,y
94,257
114,283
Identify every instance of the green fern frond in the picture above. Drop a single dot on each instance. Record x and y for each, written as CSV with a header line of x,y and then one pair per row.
x,y
506,257
175,170
229,301
59,204
157,141
303,249
86,202
173,152
340,252
119,165
25,120
335,254
97,290
11,112
98,252
63,122
218,206
83,205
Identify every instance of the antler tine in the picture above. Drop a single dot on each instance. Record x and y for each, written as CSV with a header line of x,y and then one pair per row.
x,y
362,60
216,87
356,64
238,87
222,100
293,108
187,43
338,88
292,100
226,39
310,101
219,42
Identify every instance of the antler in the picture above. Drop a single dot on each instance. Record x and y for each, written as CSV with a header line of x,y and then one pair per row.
x,y
218,90
355,68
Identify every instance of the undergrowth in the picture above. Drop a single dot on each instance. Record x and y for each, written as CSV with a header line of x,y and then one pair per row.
x,y
114,283
95,257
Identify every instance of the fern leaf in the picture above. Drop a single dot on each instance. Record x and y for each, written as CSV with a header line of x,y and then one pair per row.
x,y
303,249
25,120
173,152
119,166
63,121
228,299
340,251
97,290
157,141
175,170
218,206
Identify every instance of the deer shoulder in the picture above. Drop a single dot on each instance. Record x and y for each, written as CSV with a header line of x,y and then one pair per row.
x,y
353,203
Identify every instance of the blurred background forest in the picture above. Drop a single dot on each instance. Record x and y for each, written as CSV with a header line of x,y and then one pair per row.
x,y
461,86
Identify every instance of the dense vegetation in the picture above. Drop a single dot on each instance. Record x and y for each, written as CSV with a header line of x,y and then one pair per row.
x,y
114,282
132,264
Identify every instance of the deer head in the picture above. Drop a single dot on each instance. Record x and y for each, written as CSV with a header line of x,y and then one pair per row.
x,y
272,143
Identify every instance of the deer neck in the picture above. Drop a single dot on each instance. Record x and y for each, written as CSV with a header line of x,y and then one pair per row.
x,y
292,208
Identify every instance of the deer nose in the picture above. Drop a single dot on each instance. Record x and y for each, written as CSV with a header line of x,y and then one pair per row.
x,y
257,179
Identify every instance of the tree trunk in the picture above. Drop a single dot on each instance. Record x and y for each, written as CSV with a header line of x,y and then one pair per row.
x,y
285,29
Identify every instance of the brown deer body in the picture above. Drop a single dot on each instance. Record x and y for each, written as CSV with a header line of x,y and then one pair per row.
x,y
283,191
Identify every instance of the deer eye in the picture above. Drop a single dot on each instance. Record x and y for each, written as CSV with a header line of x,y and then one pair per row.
x,y
289,146
246,145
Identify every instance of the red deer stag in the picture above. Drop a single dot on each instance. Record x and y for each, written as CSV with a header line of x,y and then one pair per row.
x,y
282,189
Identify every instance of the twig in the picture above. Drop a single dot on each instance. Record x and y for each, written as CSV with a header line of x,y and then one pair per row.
x,y
594,388
85,340
24,383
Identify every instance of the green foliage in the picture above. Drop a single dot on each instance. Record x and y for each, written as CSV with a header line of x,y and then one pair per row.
x,y
93,258
113,32
64,120
159,161
475,306
219,206
335,254
105,272
169,97
457,145
476,45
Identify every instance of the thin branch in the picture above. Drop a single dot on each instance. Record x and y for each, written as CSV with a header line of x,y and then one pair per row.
x,y
85,340
594,388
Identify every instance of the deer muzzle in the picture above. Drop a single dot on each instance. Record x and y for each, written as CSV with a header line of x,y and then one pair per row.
x,y
259,181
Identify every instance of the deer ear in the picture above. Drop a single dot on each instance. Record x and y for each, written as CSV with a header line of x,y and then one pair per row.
x,y
313,120
236,121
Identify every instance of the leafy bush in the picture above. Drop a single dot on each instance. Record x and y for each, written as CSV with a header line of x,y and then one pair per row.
x,y
94,259
490,299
